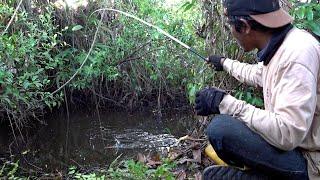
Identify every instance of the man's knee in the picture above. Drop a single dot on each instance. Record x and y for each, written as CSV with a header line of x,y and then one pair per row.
x,y
221,125
222,128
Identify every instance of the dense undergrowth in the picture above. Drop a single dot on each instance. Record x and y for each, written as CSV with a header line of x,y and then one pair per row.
x,y
124,170
130,65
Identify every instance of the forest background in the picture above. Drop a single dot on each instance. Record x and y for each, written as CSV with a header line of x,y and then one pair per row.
x,y
114,61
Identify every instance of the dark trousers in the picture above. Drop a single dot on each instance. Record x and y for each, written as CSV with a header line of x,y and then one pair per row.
x,y
237,145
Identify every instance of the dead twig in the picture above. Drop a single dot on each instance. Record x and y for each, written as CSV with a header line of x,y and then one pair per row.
x,y
108,99
187,137
136,58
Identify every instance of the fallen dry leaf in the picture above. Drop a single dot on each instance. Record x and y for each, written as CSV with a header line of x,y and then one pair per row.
x,y
181,175
153,164
185,160
155,157
198,176
142,158
173,154
197,155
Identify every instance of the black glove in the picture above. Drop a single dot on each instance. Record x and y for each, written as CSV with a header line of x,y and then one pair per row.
x,y
215,60
208,100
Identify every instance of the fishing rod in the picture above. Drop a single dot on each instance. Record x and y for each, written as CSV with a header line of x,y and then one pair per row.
x,y
136,18
157,28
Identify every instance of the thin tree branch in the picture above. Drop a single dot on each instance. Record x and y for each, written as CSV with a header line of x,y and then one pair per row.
x,y
12,17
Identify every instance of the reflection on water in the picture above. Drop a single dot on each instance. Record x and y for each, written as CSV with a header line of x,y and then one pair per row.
x,y
88,141
137,139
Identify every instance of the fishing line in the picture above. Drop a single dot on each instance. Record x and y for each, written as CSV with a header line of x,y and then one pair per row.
x,y
86,58
12,17
157,28
136,18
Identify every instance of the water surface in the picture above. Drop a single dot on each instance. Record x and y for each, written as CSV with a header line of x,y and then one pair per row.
x,y
89,141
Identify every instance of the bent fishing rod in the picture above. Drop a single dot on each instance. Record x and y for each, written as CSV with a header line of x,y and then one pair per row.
x,y
138,19
157,28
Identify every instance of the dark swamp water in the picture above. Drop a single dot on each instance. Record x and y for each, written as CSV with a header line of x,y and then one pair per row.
x,y
88,140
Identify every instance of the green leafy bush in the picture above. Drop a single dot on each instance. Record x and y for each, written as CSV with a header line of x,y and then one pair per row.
x,y
42,49
307,15
137,170
130,62
128,170
27,53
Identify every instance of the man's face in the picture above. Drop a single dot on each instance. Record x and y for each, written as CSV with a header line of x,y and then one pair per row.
x,y
243,37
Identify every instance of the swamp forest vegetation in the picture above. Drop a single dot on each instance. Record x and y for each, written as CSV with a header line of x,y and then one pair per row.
x,y
66,55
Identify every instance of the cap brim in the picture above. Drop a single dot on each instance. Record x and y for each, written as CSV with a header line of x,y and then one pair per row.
x,y
273,19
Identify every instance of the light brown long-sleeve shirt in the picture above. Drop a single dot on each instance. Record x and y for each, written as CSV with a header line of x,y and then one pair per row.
x,y
291,91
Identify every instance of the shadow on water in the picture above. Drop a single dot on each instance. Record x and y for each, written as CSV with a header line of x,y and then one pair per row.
x,y
91,142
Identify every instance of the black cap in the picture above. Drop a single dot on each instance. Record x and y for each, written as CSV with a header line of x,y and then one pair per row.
x,y
250,7
266,12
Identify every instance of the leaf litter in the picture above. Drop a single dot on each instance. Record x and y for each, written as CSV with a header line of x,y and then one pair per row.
x,y
188,154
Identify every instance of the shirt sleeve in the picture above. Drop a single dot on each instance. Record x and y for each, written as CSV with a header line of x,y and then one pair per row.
x,y
250,74
288,123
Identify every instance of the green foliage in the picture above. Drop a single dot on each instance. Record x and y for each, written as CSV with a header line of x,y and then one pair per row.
x,y
135,57
189,5
9,170
307,15
163,171
250,97
36,60
137,170
128,170
44,47
27,52
76,28
39,55
75,174
192,89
